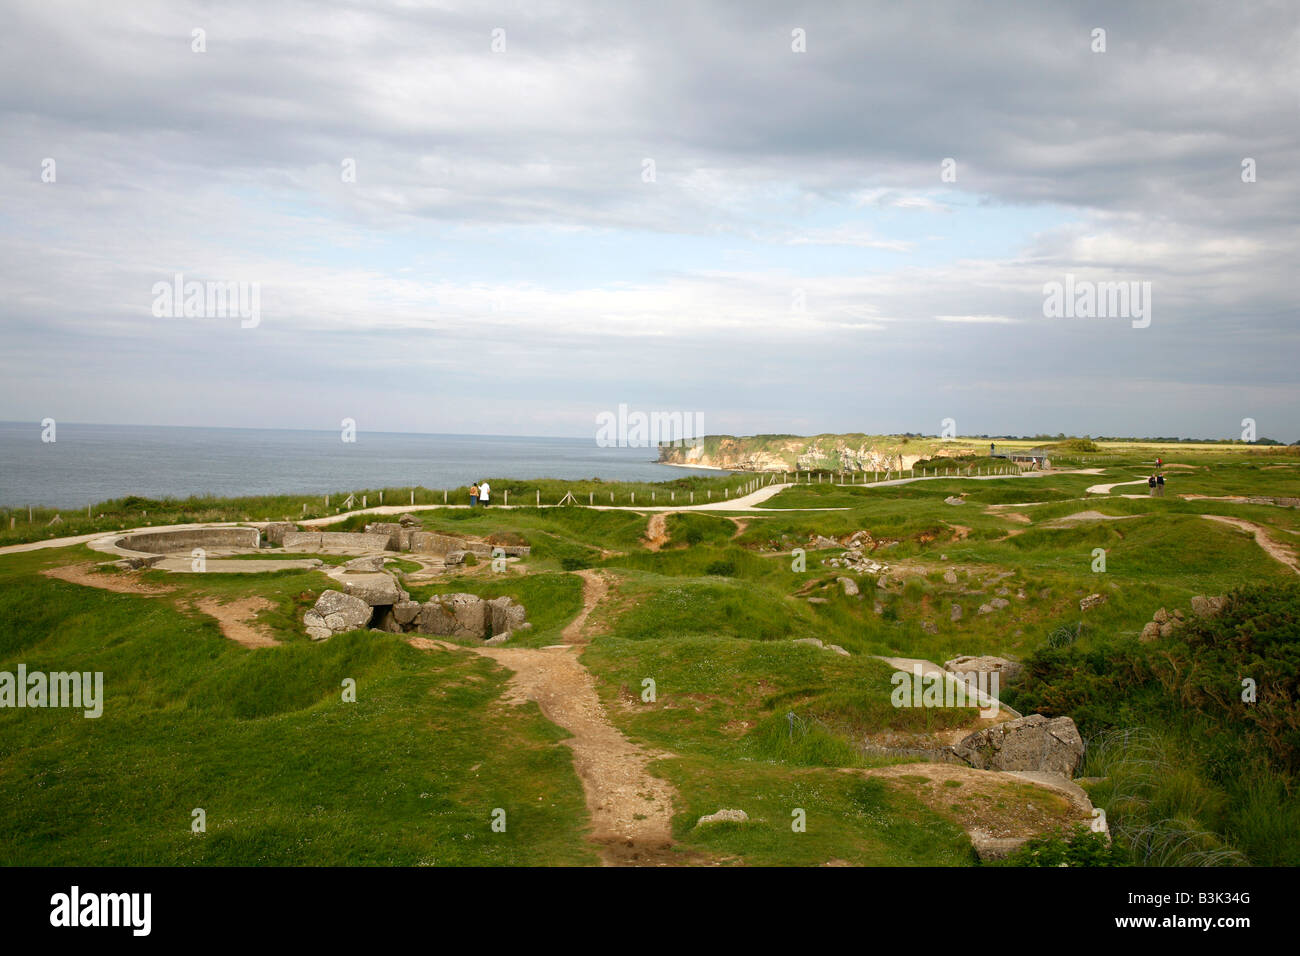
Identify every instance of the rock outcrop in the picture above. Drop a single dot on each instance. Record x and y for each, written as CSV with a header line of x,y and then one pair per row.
x,y
444,615
1034,742
1092,601
1164,624
336,613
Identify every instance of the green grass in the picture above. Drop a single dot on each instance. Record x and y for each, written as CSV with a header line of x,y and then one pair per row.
x,y
288,773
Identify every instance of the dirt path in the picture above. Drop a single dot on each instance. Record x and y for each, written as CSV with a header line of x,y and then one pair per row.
x,y
1274,549
238,619
656,531
117,583
594,590
631,810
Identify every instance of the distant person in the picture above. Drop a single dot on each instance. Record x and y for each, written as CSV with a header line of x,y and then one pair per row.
x,y
1151,486
473,494
1160,486
484,490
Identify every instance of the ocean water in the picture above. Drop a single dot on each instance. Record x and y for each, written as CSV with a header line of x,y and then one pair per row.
x,y
90,463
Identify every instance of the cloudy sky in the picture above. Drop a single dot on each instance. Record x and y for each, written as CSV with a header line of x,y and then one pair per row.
x,y
558,208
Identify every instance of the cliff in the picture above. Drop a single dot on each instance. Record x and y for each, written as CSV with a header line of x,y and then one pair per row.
x,y
853,452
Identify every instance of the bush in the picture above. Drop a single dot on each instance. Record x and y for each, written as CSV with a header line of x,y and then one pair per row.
x,y
1082,847
722,569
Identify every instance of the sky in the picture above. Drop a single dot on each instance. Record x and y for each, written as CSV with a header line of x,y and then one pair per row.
x,y
782,217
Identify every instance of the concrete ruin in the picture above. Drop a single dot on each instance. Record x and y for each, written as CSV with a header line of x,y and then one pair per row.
x,y
492,621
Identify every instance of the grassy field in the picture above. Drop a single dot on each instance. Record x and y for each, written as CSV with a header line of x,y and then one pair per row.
x,y
288,772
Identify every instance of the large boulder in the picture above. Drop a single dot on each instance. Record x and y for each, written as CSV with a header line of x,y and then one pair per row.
x,y
408,520
406,612
1203,606
506,615
376,588
1027,743
455,615
336,612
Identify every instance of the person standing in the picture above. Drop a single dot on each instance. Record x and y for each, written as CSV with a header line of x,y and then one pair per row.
x,y
1160,485
484,491
1151,486
473,494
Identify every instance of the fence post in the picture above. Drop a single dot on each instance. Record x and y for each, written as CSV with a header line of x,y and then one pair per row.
x,y
444,497
591,498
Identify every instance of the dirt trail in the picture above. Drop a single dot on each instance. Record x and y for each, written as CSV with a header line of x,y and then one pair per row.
x,y
631,810
117,583
656,531
1274,549
238,619
594,590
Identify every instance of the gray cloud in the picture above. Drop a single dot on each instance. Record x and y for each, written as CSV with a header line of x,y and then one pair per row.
x,y
226,166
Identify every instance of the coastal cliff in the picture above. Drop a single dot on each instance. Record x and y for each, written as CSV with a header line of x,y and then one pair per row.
x,y
850,452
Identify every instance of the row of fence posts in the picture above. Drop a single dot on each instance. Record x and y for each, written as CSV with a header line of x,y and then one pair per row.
x,y
748,487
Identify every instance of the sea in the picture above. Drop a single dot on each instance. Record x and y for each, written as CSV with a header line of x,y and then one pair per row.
x,y
85,464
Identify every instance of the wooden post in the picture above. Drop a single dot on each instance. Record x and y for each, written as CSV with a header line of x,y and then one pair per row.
x,y
633,494
539,497
381,497
591,498
444,500
692,497
363,501
413,500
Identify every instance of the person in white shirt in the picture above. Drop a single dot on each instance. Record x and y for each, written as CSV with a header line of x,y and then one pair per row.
x,y
483,490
